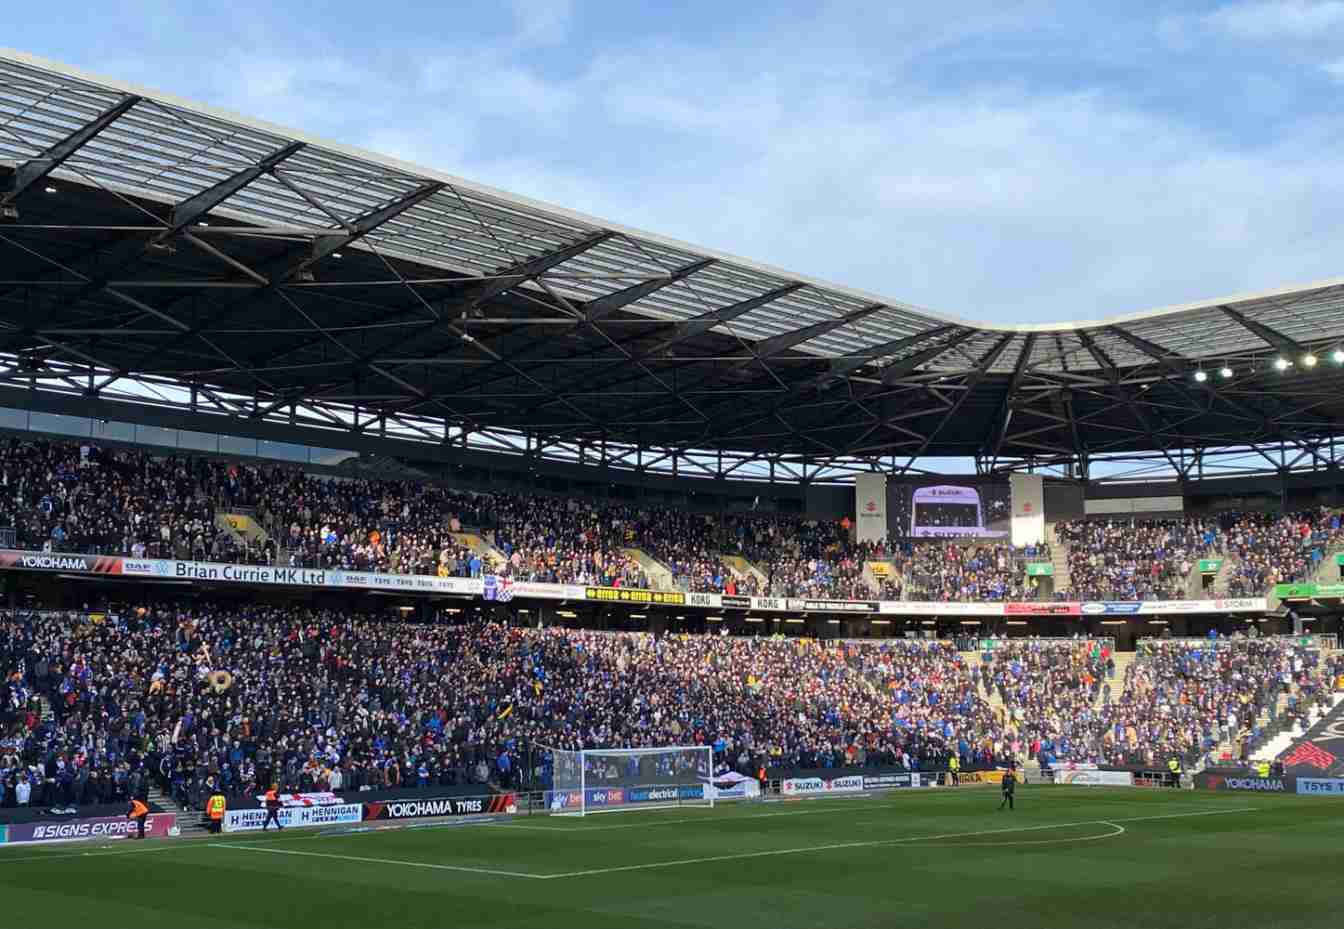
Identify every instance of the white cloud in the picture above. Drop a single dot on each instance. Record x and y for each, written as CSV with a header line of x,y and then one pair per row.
x,y
1278,19
1003,204
541,22
926,170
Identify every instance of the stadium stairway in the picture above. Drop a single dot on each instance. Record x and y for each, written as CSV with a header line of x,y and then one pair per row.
x,y
659,575
743,568
1122,662
1059,556
242,525
1289,737
491,557
224,523
974,659
1327,572
187,821
878,572
1223,579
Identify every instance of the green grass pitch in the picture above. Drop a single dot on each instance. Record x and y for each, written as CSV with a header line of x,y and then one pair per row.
x,y
1094,858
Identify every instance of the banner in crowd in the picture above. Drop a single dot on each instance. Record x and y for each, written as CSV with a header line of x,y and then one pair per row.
x,y
434,807
500,590
801,786
1210,565
496,588
103,828
300,817
870,508
321,798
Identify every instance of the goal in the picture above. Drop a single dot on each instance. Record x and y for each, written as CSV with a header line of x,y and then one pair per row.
x,y
603,780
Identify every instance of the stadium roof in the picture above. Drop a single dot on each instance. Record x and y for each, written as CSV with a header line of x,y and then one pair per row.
x,y
160,251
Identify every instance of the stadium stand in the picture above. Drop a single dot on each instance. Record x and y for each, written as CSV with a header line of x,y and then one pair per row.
x,y
192,693
80,497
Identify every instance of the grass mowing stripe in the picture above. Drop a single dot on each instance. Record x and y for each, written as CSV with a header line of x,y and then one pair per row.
x,y
494,872
56,856
876,843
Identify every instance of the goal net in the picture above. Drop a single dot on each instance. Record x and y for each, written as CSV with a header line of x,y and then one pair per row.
x,y
609,779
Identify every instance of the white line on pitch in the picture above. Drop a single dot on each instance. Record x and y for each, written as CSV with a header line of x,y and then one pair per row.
x,y
708,817
405,864
878,843
1116,831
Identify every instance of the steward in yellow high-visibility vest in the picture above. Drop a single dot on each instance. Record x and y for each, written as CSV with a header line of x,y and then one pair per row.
x,y
954,768
214,811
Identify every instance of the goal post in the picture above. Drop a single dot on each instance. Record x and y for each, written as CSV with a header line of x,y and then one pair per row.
x,y
603,780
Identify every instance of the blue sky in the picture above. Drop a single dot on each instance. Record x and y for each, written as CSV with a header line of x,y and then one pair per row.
x,y
1026,164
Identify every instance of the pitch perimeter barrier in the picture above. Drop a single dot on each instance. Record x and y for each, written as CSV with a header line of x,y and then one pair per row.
x,y
438,807
294,817
558,801
101,828
1246,780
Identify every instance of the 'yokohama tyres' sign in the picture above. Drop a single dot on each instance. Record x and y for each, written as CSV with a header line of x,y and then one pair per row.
x,y
434,807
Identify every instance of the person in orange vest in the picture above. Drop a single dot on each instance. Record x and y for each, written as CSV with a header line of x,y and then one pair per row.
x,y
272,809
138,812
214,811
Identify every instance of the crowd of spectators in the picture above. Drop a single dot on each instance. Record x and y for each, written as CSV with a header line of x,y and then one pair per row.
x,y
69,496
64,496
1277,549
1131,559
236,696
972,571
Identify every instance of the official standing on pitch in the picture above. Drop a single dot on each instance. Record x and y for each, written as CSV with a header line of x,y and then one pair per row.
x,y
1009,785
272,809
